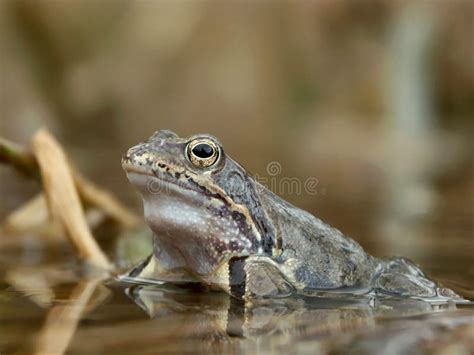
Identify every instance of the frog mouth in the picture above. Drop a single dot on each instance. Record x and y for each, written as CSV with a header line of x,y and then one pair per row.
x,y
154,177
156,182
129,168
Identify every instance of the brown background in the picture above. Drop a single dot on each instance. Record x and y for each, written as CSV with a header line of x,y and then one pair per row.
x,y
374,99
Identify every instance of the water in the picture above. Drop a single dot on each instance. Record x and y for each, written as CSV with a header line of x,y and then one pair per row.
x,y
48,304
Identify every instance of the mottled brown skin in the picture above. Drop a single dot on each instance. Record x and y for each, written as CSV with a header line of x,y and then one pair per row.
x,y
216,225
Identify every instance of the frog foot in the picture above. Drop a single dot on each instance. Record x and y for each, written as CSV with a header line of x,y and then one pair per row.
x,y
400,277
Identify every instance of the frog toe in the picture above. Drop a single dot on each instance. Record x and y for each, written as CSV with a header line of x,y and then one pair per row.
x,y
402,278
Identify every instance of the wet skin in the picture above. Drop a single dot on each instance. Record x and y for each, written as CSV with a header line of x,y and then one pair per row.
x,y
215,225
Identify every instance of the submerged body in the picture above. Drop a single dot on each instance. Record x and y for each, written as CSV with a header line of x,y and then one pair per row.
x,y
214,224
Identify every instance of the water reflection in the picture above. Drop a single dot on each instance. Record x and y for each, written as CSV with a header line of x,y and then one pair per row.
x,y
58,307
216,321
88,316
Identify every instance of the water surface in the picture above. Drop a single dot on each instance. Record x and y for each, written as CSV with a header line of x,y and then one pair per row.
x,y
49,303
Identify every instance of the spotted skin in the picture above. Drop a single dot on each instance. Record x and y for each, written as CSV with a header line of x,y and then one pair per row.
x,y
214,224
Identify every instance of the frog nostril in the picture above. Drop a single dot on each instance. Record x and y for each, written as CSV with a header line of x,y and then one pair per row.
x,y
137,150
125,158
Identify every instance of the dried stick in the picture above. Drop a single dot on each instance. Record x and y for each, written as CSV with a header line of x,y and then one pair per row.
x,y
19,157
33,215
25,162
63,199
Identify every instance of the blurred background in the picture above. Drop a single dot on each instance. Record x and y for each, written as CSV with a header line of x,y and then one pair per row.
x,y
374,99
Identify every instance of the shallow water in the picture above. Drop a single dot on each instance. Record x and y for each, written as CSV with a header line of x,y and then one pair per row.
x,y
47,304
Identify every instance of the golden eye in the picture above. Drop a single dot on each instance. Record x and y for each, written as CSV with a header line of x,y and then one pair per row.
x,y
203,152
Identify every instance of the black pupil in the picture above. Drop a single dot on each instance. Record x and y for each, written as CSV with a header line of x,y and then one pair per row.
x,y
203,150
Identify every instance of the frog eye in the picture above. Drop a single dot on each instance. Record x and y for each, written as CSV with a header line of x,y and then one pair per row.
x,y
203,153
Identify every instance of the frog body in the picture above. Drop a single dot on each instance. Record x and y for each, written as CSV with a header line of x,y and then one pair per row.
x,y
214,224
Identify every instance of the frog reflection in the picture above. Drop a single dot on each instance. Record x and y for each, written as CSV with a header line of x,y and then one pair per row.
x,y
218,313
214,224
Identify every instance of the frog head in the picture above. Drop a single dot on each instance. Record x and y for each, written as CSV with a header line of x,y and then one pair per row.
x,y
202,206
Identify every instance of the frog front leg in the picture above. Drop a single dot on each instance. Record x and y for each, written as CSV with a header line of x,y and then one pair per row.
x,y
154,270
257,276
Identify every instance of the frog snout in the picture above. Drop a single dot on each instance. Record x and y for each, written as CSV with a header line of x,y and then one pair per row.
x,y
135,155
126,159
128,156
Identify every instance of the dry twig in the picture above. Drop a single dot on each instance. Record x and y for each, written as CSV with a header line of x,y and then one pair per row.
x,y
63,199
90,194
19,157
33,215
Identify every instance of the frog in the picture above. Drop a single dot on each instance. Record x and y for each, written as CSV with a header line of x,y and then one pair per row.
x,y
217,226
